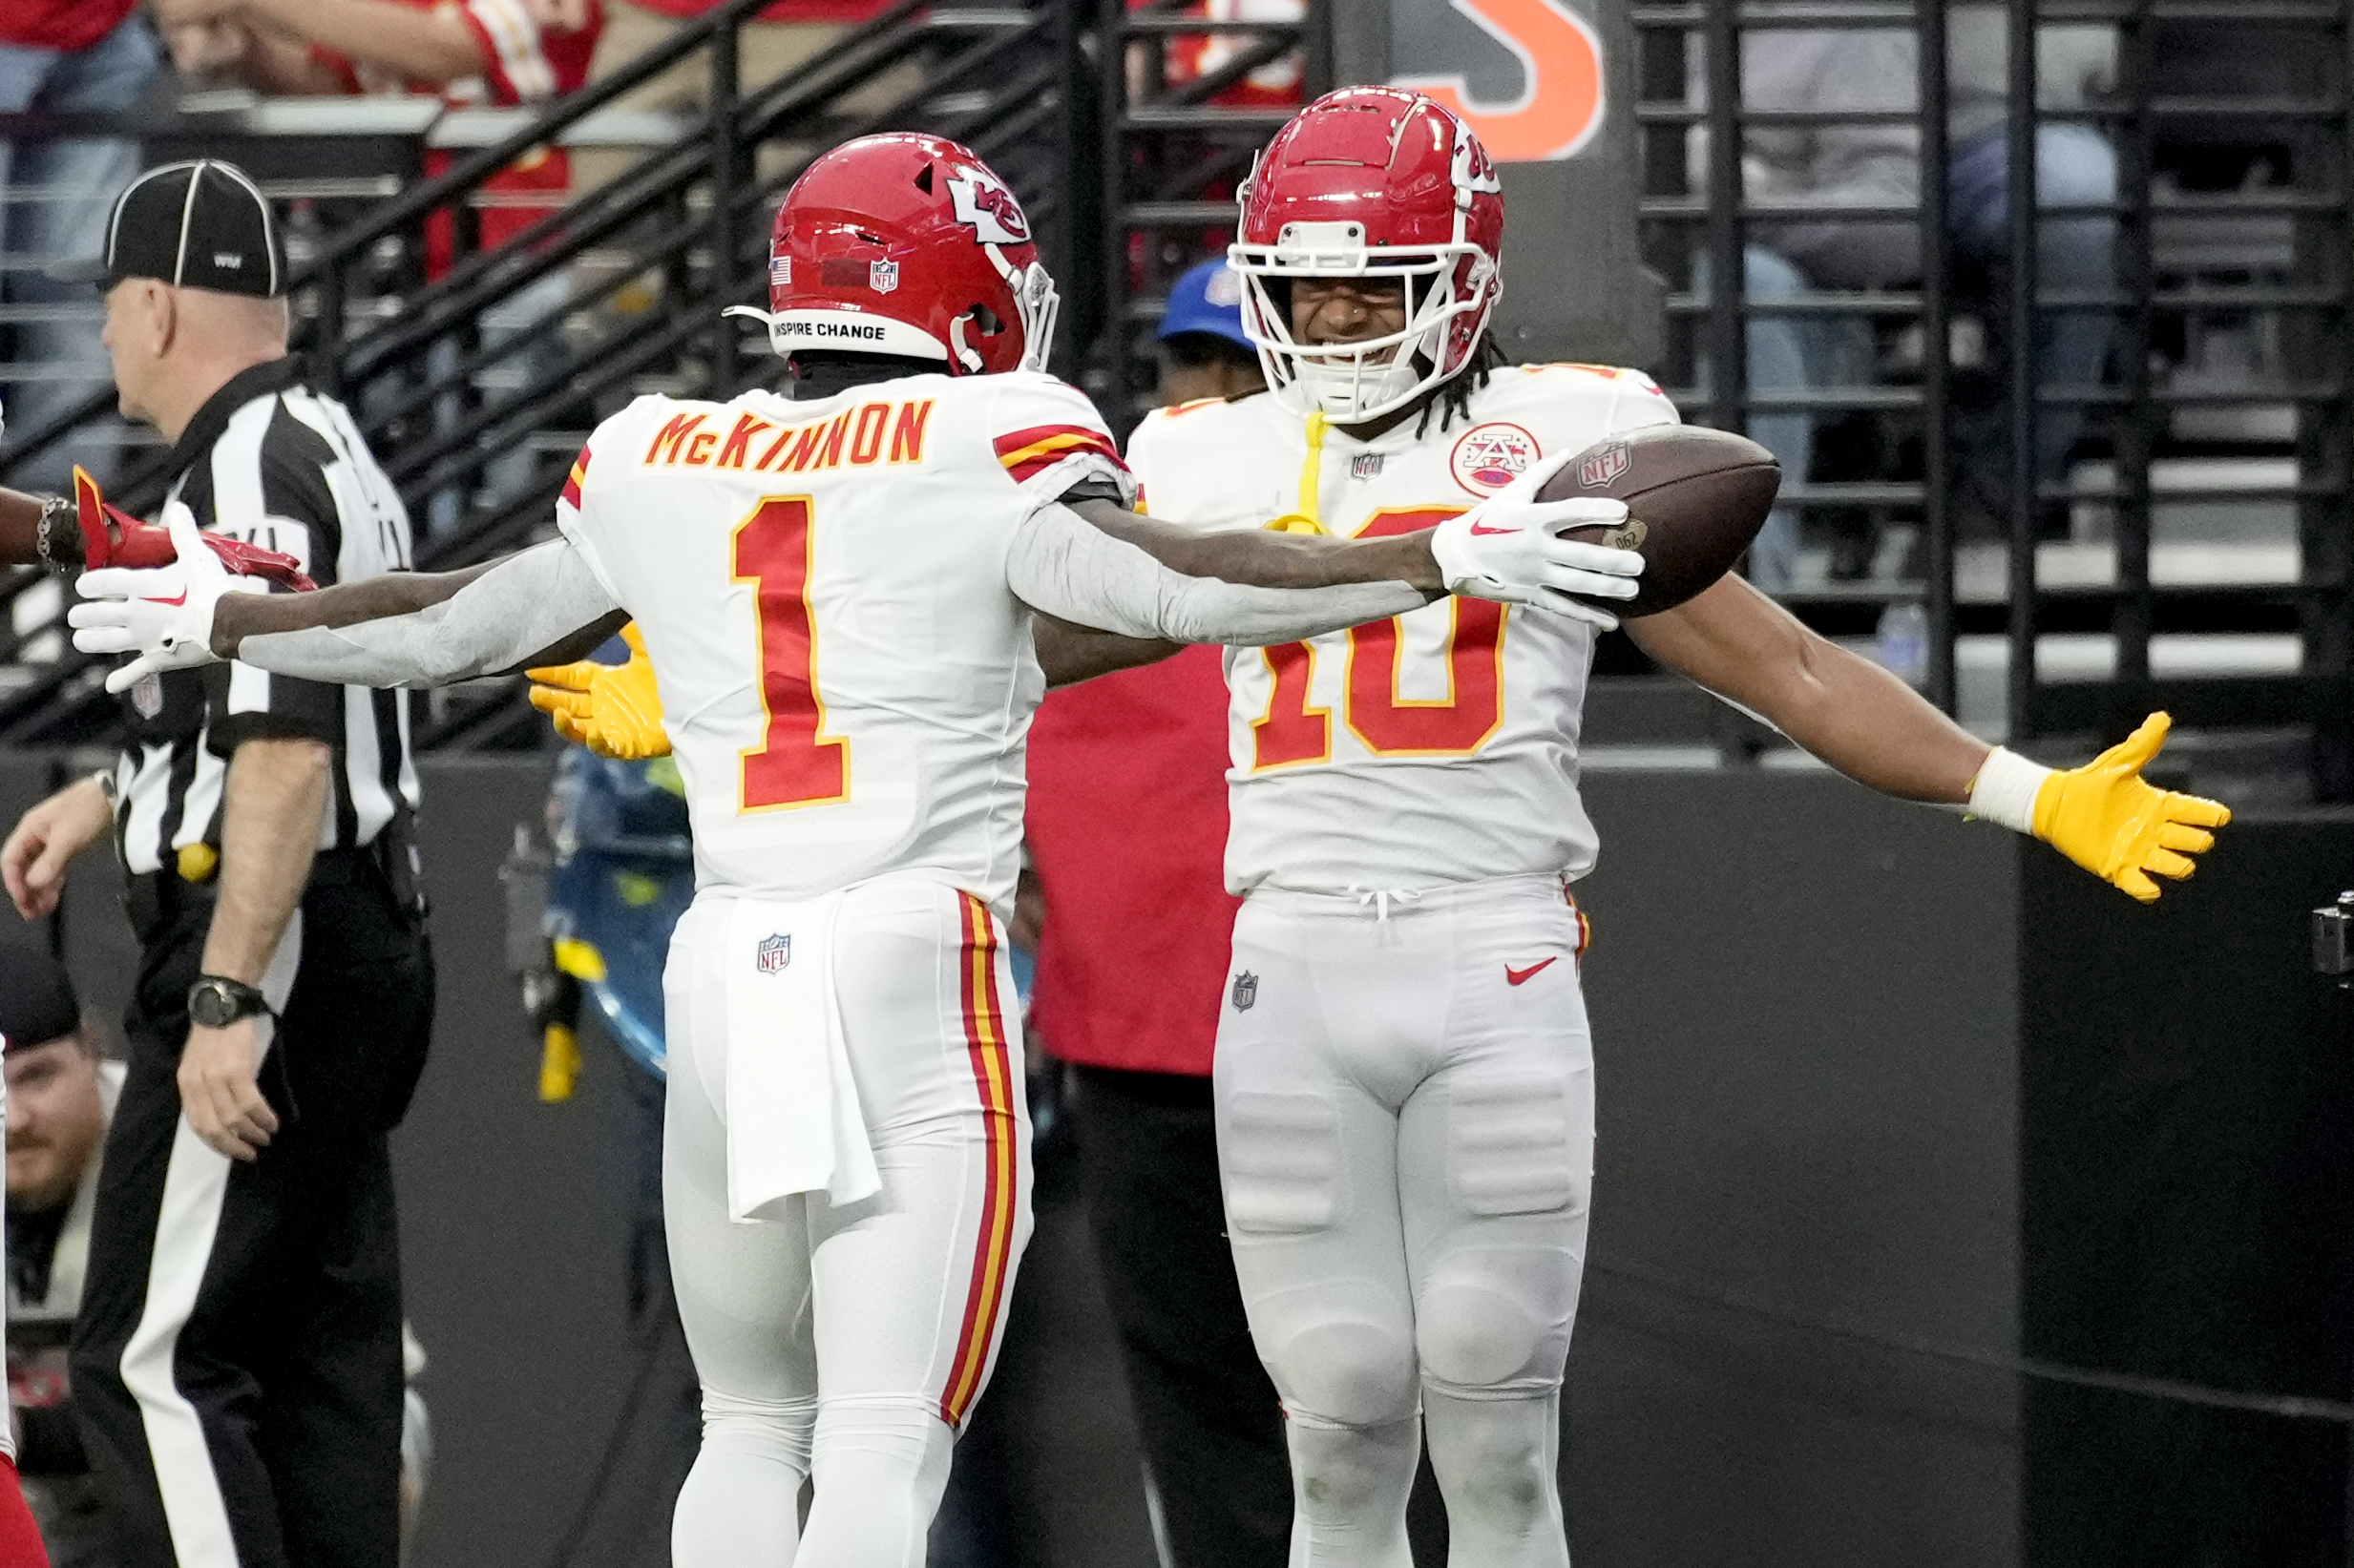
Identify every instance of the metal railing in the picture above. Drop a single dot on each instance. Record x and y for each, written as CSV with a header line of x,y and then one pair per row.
x,y
1172,153
477,421
2097,564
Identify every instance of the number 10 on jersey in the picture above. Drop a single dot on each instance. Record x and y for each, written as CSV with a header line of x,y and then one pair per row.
x,y
796,762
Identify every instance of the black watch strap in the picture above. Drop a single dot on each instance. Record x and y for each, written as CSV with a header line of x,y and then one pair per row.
x,y
215,1001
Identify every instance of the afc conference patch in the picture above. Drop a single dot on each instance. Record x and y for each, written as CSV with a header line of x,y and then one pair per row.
x,y
1246,990
773,954
1491,456
1599,469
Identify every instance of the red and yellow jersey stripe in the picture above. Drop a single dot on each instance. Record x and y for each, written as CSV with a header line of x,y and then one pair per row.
x,y
1040,447
576,479
991,1054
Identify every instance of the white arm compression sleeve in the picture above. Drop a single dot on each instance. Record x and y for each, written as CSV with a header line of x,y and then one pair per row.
x,y
525,603
1067,566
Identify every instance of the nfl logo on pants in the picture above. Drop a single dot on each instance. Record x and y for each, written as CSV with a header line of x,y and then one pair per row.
x,y
773,954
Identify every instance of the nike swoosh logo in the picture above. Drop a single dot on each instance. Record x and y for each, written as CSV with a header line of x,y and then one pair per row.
x,y
1522,976
183,600
1482,529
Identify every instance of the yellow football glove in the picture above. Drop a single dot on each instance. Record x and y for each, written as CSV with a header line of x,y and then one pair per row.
x,y
2105,816
612,709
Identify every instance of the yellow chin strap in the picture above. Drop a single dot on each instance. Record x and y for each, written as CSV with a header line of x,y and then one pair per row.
x,y
1306,520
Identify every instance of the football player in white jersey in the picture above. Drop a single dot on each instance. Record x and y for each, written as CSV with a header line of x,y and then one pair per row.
x,y
1404,1075
837,592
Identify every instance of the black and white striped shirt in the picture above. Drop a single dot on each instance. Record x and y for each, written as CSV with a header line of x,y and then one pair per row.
x,y
272,461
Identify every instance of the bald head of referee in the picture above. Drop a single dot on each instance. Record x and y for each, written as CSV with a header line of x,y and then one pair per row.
x,y
195,279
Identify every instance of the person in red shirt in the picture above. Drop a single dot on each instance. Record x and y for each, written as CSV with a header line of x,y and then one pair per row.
x,y
69,57
502,54
1126,832
499,53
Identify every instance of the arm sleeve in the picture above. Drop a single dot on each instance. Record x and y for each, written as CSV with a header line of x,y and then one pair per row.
x,y
524,604
1067,566
275,494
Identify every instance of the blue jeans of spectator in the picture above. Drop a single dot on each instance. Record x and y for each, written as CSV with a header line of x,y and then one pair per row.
x,y
2074,165
1791,354
527,325
55,199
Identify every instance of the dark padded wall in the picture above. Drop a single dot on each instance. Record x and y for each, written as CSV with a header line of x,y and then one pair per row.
x,y
1803,1022
2188,1140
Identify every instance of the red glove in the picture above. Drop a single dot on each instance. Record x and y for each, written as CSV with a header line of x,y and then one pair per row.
x,y
113,537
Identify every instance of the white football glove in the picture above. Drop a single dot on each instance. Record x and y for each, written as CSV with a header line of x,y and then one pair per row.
x,y
1507,548
164,615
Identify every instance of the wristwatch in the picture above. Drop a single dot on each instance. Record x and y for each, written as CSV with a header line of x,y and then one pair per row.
x,y
217,1002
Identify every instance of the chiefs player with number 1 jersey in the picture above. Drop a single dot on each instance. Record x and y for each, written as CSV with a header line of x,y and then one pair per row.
x,y
1404,1077
838,591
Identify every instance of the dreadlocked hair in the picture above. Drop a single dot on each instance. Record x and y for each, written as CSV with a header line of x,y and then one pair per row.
x,y
1454,399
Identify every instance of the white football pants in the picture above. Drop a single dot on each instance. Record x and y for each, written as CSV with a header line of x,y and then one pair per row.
x,y
848,1345
1405,1098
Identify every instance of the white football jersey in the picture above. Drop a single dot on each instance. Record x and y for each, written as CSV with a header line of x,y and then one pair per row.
x,y
845,678
1437,748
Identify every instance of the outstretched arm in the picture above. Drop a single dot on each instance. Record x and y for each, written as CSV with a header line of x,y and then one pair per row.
x,y
1076,568
1871,726
398,630
1842,708
531,608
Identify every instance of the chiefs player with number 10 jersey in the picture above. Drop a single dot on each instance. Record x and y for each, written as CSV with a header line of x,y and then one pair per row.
x,y
1404,1079
840,593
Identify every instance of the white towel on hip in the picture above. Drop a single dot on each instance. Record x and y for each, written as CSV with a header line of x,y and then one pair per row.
x,y
793,1120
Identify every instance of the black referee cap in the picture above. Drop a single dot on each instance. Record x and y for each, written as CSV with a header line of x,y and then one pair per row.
x,y
201,224
37,999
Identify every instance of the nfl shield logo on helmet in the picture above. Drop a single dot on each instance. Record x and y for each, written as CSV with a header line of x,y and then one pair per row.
x,y
1491,456
1246,990
773,954
1599,469
882,277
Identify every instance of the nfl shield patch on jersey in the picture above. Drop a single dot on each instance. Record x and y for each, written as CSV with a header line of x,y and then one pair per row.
x,y
1246,990
773,954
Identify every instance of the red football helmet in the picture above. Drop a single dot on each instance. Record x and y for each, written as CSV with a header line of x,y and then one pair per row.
x,y
908,245
1371,182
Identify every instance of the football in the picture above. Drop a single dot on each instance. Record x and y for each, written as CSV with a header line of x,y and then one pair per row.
x,y
1694,498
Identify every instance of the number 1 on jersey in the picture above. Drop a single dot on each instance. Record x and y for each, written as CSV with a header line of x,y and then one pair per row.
x,y
796,762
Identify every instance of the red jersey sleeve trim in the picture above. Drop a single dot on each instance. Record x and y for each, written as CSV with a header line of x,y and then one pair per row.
x,y
1040,447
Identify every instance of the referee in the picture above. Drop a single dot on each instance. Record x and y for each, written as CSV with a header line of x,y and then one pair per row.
x,y
238,1360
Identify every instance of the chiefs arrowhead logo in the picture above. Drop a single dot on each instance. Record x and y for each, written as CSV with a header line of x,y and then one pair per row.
x,y
996,217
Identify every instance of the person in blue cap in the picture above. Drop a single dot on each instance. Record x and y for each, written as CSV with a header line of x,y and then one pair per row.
x,y
1203,352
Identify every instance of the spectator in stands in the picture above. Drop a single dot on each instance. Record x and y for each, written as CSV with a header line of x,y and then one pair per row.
x,y
1828,165
502,53
61,1097
67,56
782,37
1127,911
1202,349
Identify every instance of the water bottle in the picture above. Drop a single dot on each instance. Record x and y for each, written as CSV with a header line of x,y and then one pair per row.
x,y
1902,642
